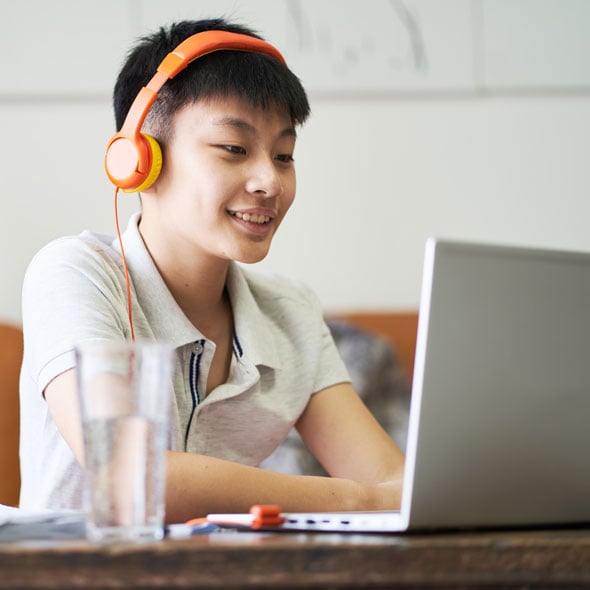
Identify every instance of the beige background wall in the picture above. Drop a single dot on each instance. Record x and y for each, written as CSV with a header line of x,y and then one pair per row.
x,y
467,119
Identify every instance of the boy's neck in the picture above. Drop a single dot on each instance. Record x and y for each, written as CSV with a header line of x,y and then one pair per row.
x,y
197,282
203,298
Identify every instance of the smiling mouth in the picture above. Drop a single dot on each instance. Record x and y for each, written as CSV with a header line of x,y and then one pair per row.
x,y
252,218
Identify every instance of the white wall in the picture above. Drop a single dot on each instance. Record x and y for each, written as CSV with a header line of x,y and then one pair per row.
x,y
479,149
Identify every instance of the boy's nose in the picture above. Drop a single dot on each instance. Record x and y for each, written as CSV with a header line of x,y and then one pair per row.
x,y
265,179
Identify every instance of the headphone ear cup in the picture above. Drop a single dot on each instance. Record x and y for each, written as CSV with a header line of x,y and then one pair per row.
x,y
156,164
133,164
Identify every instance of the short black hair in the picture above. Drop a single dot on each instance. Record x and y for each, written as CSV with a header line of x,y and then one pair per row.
x,y
259,79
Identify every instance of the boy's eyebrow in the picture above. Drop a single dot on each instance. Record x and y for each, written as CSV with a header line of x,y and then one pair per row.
x,y
242,125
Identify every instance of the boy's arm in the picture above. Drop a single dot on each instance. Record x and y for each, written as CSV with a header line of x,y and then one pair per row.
x,y
365,464
347,440
197,485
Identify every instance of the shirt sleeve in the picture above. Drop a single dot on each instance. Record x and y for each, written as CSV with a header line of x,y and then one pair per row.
x,y
72,293
330,368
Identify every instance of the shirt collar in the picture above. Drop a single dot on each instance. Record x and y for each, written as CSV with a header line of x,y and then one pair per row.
x,y
252,327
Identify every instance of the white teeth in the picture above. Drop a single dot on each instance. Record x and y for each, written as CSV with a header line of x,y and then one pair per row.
x,y
251,217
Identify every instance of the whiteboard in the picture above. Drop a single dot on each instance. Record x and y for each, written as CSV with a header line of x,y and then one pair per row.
x,y
381,46
61,48
536,44
68,48
349,46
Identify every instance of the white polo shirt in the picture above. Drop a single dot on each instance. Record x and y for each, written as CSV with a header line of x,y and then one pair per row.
x,y
74,291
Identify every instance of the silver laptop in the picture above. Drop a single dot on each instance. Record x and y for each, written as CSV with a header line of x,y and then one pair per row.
x,y
499,430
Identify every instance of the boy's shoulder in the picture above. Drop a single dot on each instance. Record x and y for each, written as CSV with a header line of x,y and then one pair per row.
x,y
82,244
81,251
272,285
281,296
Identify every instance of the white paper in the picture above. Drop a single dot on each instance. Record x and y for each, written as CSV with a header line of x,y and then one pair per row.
x,y
22,525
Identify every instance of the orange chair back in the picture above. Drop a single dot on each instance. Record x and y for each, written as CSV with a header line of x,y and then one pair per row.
x,y
11,353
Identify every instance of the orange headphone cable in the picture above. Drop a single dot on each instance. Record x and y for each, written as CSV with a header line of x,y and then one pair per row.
x,y
125,269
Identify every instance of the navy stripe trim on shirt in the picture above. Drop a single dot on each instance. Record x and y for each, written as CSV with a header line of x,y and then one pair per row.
x,y
194,367
238,347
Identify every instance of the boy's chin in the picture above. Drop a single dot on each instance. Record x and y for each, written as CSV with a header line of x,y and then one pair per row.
x,y
250,253
252,259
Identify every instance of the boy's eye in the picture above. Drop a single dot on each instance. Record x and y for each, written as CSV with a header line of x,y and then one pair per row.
x,y
234,149
286,158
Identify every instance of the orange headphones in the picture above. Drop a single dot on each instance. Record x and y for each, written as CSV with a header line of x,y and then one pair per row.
x,y
133,160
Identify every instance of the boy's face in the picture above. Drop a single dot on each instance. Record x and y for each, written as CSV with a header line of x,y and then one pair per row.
x,y
227,181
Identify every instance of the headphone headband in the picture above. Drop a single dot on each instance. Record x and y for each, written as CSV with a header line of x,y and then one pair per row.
x,y
133,160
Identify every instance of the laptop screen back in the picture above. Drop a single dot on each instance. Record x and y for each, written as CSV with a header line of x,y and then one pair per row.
x,y
501,397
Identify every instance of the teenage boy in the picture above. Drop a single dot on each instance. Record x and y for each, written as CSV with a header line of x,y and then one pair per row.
x,y
253,355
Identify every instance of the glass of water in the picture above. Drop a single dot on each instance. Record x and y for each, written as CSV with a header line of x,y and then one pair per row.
x,y
124,390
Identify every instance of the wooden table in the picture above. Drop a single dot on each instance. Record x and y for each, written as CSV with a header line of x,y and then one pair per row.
x,y
509,559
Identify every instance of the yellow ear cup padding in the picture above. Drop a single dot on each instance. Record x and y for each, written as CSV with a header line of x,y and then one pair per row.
x,y
155,168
